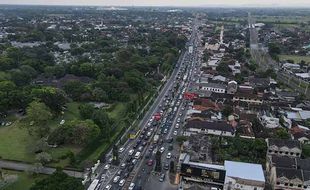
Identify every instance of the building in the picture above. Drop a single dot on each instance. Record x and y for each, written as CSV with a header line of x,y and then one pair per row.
x,y
213,87
208,175
288,172
239,177
247,98
291,148
269,122
207,127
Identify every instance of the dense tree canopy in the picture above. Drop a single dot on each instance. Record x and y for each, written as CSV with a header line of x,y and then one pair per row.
x,y
58,181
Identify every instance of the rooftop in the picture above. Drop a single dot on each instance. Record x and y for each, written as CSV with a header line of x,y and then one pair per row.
x,y
244,170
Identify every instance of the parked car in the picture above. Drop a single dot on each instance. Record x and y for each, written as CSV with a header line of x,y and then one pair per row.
x,y
106,167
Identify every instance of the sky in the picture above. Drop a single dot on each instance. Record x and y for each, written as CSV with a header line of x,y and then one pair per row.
x,y
273,3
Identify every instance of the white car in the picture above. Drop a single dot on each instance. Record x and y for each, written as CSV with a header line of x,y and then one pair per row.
x,y
130,152
121,183
108,187
116,178
121,150
131,186
162,149
168,155
177,125
106,167
175,133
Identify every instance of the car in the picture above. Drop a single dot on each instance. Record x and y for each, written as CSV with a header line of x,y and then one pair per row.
x,y
177,125
155,150
130,152
108,187
123,165
170,147
126,174
168,155
162,177
131,186
178,120
122,182
170,140
150,162
140,148
165,131
121,150
119,172
162,149
116,178
106,167
144,143
166,166
134,161
110,160
175,133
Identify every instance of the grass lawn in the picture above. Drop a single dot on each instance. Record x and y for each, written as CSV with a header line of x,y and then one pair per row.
x,y
24,181
295,58
16,140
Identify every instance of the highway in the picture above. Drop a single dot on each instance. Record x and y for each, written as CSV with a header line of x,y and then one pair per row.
x,y
170,104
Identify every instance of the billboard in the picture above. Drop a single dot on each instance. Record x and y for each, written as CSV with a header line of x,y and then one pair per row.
x,y
203,174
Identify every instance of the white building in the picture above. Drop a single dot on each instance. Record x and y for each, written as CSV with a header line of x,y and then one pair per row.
x,y
269,122
244,176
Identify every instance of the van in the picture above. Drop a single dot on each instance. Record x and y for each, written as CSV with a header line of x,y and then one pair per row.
x,y
137,155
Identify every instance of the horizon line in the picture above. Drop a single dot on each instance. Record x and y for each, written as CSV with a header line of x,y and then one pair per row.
x,y
274,6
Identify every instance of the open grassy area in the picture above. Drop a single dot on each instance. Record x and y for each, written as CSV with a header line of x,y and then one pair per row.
x,y
282,19
15,140
24,181
295,58
116,110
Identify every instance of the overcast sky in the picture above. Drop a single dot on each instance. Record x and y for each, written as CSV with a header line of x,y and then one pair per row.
x,y
299,3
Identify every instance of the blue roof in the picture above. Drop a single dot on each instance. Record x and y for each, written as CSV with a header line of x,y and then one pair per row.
x,y
245,170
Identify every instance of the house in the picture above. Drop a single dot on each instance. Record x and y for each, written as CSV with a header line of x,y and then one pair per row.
x,y
207,127
247,98
291,66
232,87
269,122
302,137
287,96
298,115
288,172
235,68
239,177
282,147
213,87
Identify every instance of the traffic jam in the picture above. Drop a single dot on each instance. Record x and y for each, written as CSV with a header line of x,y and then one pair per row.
x,y
159,134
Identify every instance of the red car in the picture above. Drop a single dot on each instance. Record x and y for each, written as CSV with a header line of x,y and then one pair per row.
x,y
150,163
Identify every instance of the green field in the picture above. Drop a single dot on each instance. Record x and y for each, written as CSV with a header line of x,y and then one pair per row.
x,y
282,19
295,58
24,181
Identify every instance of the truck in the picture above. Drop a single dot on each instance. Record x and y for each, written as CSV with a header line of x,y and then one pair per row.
x,y
155,139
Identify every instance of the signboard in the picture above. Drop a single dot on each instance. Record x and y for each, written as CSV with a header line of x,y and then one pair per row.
x,y
203,174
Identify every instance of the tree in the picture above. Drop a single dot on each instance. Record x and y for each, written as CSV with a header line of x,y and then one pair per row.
x,y
54,98
115,156
75,89
101,118
86,111
282,134
228,110
75,132
181,139
58,181
44,157
38,114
